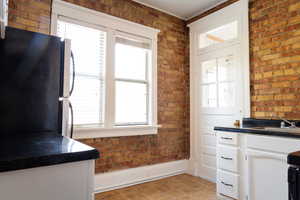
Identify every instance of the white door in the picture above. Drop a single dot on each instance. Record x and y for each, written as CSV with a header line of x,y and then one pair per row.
x,y
219,95
220,91
266,176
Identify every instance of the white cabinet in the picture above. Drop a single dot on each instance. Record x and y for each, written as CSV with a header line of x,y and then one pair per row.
x,y
253,167
266,175
228,165
3,16
69,181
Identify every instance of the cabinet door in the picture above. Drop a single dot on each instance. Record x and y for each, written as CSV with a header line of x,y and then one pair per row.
x,y
266,175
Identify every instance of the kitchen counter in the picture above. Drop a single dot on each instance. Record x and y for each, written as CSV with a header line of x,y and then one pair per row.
x,y
258,131
37,150
256,126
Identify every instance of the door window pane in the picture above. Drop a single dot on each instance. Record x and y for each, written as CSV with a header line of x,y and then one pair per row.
x,y
225,68
226,94
219,35
209,95
209,71
131,103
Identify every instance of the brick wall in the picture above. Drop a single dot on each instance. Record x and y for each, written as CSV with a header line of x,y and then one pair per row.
x,y
275,72
275,58
172,141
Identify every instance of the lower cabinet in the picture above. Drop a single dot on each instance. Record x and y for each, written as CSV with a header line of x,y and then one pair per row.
x,y
253,167
69,181
266,175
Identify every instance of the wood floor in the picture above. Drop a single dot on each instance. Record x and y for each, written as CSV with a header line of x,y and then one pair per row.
x,y
181,187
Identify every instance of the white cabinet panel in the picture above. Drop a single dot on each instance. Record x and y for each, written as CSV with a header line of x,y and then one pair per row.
x,y
273,144
266,176
70,181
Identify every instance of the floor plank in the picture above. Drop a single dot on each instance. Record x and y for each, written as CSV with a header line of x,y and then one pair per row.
x,y
181,187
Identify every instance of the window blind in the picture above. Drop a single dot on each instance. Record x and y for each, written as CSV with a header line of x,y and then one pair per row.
x,y
88,46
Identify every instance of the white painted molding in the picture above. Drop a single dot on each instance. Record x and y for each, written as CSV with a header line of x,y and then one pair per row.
x,y
85,133
61,8
124,178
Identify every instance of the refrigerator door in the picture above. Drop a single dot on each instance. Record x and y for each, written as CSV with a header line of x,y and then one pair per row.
x,y
31,71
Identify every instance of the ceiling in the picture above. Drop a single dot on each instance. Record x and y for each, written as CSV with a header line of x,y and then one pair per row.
x,y
184,9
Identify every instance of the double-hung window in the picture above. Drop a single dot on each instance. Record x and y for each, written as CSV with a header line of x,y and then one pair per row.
x,y
132,82
115,73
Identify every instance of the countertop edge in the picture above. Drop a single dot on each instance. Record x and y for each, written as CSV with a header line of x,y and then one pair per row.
x,y
48,160
257,132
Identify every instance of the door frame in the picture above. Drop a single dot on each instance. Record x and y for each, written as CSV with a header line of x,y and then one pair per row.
x,y
237,11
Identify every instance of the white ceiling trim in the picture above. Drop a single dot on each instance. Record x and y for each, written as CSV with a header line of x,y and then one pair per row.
x,y
159,9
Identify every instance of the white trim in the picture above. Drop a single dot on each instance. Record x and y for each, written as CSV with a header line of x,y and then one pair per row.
x,y
113,26
124,178
161,10
85,132
88,15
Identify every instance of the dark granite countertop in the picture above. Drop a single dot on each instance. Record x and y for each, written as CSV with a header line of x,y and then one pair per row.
x,y
37,150
256,126
258,131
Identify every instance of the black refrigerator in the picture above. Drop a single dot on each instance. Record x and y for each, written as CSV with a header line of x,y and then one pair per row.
x,y
31,82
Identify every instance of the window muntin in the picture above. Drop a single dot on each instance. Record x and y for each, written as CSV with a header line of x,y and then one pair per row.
x,y
90,58
219,35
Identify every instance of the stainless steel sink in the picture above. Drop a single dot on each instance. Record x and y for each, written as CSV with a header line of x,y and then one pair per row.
x,y
278,129
289,130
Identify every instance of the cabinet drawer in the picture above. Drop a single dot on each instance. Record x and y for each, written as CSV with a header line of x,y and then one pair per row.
x,y
227,184
227,158
228,138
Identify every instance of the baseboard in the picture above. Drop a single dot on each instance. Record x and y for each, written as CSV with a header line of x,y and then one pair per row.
x,y
124,178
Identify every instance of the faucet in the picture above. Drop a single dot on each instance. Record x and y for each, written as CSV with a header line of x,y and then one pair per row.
x,y
282,124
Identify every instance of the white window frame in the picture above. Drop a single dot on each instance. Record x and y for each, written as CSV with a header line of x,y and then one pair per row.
x,y
113,26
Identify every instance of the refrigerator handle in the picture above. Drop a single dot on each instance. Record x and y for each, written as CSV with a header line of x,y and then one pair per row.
x,y
72,119
73,74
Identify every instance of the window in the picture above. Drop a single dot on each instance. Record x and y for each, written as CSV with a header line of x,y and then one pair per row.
x,y
131,77
89,56
219,35
217,82
115,82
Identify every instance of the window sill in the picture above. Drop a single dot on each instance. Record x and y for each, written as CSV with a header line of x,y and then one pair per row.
x,y
95,132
